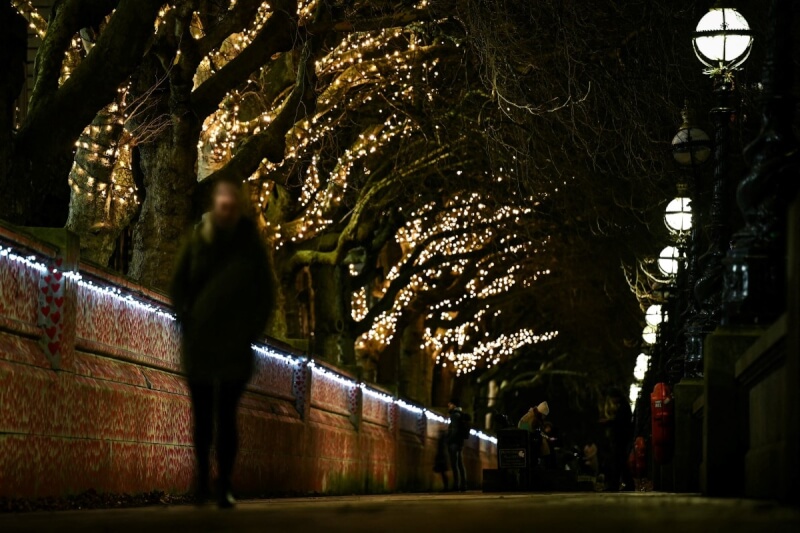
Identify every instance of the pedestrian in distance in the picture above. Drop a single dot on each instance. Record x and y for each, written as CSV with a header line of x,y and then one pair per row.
x,y
457,433
550,437
440,461
617,423
221,295
533,421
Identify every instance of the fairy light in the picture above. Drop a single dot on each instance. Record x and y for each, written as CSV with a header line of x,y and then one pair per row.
x,y
268,351
38,24
102,167
461,225
34,263
29,261
359,305
332,376
233,45
36,21
430,415
305,9
375,395
409,407
119,295
383,60
491,352
385,70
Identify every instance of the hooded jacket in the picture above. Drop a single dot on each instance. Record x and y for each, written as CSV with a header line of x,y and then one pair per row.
x,y
454,437
221,294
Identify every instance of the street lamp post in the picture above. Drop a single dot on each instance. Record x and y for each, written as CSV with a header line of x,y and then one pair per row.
x,y
691,148
722,42
755,287
669,261
673,261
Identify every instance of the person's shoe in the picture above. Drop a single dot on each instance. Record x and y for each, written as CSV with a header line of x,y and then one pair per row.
x,y
225,500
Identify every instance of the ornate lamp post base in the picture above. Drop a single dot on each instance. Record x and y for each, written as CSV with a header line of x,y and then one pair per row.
x,y
755,274
696,331
754,285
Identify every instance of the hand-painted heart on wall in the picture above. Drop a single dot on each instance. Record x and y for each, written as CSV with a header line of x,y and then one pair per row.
x,y
302,375
50,319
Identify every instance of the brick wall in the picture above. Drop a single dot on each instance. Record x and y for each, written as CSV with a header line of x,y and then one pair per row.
x,y
91,397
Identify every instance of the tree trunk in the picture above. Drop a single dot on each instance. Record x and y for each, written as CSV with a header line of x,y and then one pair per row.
x,y
333,339
13,46
278,326
443,385
169,178
416,365
169,167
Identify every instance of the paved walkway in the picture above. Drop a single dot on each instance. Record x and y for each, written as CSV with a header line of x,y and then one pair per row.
x,y
621,513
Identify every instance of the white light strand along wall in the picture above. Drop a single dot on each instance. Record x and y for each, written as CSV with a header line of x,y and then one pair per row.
x,y
264,350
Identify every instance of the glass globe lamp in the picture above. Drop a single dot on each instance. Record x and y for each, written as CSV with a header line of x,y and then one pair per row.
x,y
691,146
653,315
678,215
642,363
722,40
650,334
669,261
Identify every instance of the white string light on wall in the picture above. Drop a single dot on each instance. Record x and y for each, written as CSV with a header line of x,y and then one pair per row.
x,y
264,350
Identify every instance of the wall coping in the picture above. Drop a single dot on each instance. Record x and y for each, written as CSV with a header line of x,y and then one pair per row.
x,y
762,346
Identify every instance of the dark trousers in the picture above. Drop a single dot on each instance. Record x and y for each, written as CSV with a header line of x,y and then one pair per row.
x,y
220,399
617,471
457,465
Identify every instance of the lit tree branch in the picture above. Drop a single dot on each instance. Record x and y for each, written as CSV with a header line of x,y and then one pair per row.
x,y
278,35
54,122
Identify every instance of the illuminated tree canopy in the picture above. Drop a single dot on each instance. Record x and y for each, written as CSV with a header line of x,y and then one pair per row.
x,y
460,180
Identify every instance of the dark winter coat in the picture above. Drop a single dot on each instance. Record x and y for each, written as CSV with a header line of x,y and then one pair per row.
x,y
454,430
620,425
221,295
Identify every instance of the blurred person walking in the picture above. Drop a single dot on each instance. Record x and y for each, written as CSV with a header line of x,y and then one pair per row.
x,y
457,433
221,295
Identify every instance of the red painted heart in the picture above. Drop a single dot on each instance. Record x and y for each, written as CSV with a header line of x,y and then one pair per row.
x,y
51,332
47,278
55,287
59,261
46,310
55,317
45,289
58,275
59,301
54,347
49,298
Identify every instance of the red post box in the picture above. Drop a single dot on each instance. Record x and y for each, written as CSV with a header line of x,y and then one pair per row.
x,y
637,462
662,417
